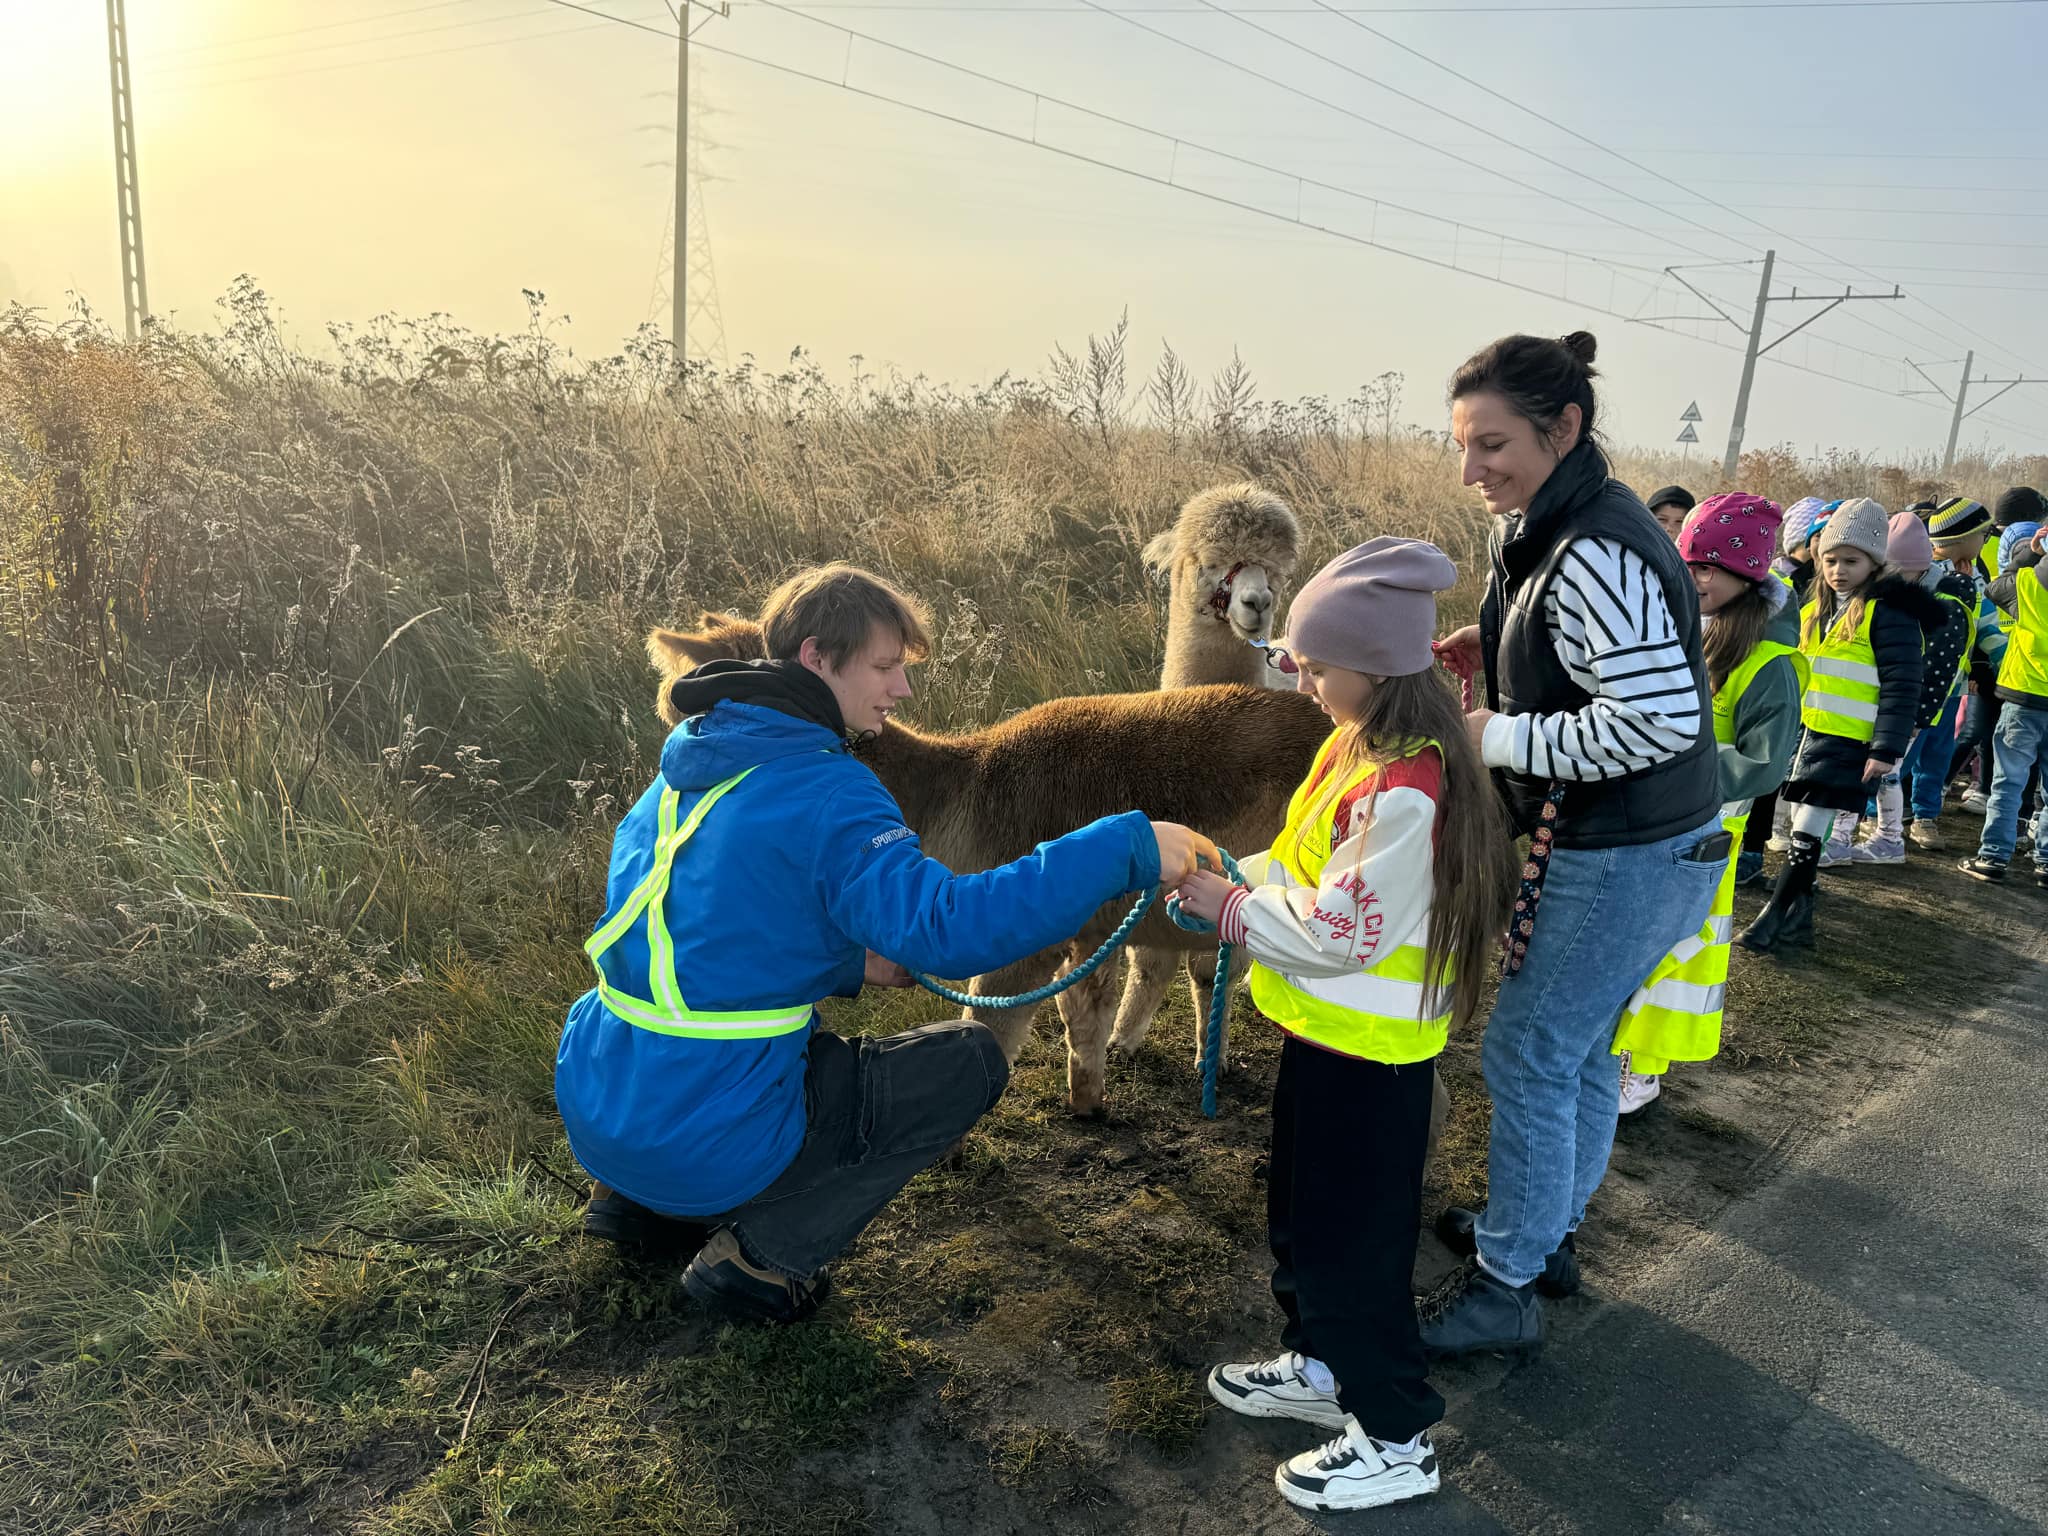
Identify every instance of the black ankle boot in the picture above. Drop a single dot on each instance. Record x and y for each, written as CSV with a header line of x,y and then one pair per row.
x,y
640,1233
1797,929
1472,1313
1458,1230
1795,882
1761,936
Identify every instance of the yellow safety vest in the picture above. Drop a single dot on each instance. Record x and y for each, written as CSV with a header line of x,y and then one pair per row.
x,y
2025,667
1385,1012
1675,1014
666,1013
1841,689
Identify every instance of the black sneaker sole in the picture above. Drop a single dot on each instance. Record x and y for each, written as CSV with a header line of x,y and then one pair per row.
x,y
1987,876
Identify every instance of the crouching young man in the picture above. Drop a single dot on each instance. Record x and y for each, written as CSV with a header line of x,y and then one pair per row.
x,y
767,868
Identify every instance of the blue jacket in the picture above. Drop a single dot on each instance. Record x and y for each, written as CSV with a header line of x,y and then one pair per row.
x,y
774,901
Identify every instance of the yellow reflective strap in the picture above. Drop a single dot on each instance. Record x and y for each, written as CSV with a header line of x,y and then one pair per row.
x,y
743,1024
661,949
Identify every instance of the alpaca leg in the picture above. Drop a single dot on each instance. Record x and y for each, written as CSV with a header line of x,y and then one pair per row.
x,y
1012,1026
1145,982
1086,1009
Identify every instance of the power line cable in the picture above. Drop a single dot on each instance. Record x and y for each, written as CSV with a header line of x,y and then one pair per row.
x,y
844,83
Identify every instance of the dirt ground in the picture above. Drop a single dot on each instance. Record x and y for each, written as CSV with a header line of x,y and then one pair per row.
x,y
1020,1436
1018,1346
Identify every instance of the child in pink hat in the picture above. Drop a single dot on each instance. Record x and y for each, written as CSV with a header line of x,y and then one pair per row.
x,y
1751,640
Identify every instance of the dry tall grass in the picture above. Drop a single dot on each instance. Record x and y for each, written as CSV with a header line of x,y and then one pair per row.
x,y
322,689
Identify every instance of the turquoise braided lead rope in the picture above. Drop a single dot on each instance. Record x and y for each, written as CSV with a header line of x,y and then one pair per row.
x,y
1219,997
1219,1005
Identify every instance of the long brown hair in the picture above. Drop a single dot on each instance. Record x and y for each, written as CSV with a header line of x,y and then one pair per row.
x,y
1730,635
1473,888
1848,617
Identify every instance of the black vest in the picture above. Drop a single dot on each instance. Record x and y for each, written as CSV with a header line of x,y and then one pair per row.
x,y
1524,675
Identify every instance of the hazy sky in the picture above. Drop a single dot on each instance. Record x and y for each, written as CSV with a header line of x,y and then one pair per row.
x,y
364,156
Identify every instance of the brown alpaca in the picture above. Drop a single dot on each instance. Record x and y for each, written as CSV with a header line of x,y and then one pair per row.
x,y
1228,559
1224,759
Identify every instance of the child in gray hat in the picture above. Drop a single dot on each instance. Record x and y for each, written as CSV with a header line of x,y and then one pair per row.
x,y
1370,920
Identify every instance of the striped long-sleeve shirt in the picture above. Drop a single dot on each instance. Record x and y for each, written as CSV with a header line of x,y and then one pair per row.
x,y
1617,639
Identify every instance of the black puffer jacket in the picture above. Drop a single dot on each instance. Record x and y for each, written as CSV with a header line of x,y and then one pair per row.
x,y
1906,615
1946,644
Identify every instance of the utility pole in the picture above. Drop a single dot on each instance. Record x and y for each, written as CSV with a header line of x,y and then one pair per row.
x,y
1955,424
679,302
1756,334
134,282
1757,347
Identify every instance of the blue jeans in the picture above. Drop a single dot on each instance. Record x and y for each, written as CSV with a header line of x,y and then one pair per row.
x,y
1607,917
1928,759
2021,749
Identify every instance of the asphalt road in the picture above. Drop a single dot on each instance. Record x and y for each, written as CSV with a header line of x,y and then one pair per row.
x,y
1861,1345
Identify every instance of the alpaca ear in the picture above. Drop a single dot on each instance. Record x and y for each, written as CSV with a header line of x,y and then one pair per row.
x,y
670,651
1158,556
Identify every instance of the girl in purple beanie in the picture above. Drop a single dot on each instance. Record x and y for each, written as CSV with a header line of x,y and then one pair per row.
x,y
1370,921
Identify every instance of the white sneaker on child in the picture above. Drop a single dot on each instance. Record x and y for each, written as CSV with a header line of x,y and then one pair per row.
x,y
1279,1388
1355,1471
1976,800
1878,850
1638,1089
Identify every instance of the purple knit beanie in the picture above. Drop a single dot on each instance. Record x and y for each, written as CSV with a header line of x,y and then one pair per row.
x,y
1373,608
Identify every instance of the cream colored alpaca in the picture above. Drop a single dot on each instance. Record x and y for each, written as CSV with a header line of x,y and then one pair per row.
x,y
1229,561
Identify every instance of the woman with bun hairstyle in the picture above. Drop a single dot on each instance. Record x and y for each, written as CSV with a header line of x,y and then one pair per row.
x,y
1598,726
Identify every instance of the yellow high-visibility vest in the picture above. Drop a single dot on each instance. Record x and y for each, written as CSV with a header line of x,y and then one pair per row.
x,y
2025,667
666,1013
1385,1012
1841,688
1676,1013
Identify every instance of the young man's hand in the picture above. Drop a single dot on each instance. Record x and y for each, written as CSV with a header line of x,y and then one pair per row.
x,y
1179,849
1875,768
886,973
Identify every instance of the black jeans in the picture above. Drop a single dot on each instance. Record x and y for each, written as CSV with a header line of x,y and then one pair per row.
x,y
1761,815
876,1114
1343,1202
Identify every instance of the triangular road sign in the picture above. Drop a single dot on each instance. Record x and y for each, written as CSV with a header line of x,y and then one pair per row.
x,y
1688,435
1692,413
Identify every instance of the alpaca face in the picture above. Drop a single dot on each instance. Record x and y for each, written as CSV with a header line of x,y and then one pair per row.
x,y
1242,596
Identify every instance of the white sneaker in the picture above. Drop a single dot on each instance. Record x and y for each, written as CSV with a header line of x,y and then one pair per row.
x,y
1879,850
1355,1471
1779,843
1276,1389
1638,1089
1976,800
1925,834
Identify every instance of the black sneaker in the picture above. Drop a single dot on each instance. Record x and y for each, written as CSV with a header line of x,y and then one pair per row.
x,y
1981,868
725,1280
639,1232
1472,1313
1458,1229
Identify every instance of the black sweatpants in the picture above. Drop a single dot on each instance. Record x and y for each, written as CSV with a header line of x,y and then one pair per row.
x,y
1343,1203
